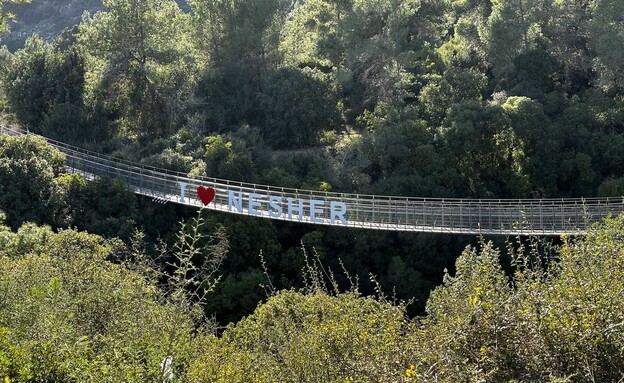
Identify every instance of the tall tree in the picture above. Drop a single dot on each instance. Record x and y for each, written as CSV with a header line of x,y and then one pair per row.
x,y
311,34
607,40
512,28
390,41
134,51
298,105
490,155
24,78
569,33
237,45
44,90
28,187
465,46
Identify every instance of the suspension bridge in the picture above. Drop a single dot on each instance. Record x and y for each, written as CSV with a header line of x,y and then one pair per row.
x,y
544,217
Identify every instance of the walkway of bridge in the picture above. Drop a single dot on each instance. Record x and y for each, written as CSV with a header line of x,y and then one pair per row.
x,y
549,217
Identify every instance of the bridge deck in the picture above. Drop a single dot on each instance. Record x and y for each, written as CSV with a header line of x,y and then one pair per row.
x,y
549,217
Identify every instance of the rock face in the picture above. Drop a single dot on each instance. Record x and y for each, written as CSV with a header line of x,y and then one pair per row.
x,y
48,18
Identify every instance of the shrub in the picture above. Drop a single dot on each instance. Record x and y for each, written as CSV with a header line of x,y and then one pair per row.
x,y
69,315
316,337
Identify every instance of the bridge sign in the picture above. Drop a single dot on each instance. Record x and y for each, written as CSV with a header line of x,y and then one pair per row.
x,y
259,205
276,207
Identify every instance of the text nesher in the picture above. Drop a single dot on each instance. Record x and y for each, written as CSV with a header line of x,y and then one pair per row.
x,y
259,205
277,207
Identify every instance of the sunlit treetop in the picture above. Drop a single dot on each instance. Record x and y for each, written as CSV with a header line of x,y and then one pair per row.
x,y
6,16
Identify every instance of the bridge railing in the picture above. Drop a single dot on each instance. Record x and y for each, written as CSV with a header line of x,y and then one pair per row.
x,y
444,215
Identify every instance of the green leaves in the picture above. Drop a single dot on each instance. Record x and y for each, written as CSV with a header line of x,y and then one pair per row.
x,y
490,154
554,317
28,189
455,85
607,35
135,58
306,338
67,314
551,320
44,88
298,106
513,27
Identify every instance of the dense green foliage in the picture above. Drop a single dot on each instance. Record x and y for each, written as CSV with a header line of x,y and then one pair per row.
x,y
402,97
69,313
555,319
305,338
450,98
28,187
34,189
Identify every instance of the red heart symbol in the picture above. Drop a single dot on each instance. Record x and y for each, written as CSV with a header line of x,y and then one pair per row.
x,y
206,195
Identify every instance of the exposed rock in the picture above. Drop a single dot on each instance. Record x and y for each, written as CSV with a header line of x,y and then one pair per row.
x,y
48,18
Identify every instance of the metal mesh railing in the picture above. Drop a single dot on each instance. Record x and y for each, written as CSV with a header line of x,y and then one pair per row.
x,y
435,215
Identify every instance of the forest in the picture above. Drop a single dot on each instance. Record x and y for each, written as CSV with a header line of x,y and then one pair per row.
x,y
422,98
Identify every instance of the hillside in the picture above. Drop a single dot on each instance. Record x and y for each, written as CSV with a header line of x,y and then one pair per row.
x,y
48,18
501,100
410,98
